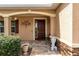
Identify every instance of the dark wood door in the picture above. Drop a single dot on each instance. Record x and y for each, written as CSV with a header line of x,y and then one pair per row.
x,y
40,29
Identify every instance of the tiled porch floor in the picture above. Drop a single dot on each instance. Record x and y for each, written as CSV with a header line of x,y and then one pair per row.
x,y
40,48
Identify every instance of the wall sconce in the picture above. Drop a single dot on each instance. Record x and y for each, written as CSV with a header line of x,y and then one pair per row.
x,y
15,18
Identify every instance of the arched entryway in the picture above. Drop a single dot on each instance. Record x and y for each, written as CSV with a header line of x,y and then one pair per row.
x,y
21,18
27,25
32,12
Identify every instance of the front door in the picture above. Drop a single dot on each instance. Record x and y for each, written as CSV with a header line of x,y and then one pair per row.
x,y
39,29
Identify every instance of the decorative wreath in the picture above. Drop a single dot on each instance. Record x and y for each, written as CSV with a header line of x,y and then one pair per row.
x,y
26,22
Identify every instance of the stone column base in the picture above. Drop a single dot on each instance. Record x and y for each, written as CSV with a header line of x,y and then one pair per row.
x,y
66,50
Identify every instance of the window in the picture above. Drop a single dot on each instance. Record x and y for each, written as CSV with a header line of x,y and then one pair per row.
x,y
1,26
14,26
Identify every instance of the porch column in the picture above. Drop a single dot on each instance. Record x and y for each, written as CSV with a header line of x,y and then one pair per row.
x,y
52,25
7,26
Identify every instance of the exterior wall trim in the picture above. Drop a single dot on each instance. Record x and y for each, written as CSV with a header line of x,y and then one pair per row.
x,y
28,12
75,45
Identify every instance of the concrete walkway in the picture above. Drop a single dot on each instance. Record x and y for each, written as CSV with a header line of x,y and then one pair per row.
x,y
40,48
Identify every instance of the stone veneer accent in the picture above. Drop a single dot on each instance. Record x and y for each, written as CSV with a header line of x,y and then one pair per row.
x,y
75,52
66,50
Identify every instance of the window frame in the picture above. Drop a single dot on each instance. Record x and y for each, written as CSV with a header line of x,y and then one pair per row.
x,y
14,26
2,31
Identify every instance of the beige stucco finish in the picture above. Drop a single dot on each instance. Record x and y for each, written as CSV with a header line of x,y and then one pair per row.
x,y
27,32
58,10
52,26
76,23
64,14
62,22
74,32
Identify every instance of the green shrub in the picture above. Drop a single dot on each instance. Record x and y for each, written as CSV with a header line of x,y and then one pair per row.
x,y
10,45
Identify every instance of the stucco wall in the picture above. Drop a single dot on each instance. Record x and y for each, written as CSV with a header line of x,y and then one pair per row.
x,y
64,15
26,33
52,25
76,23
23,31
58,10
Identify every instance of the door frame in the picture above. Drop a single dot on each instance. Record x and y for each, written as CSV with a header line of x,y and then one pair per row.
x,y
34,26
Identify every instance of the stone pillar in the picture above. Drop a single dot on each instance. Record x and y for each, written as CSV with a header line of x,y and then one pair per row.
x,y
7,26
52,25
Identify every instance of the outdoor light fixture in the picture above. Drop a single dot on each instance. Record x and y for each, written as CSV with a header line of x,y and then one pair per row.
x,y
15,18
